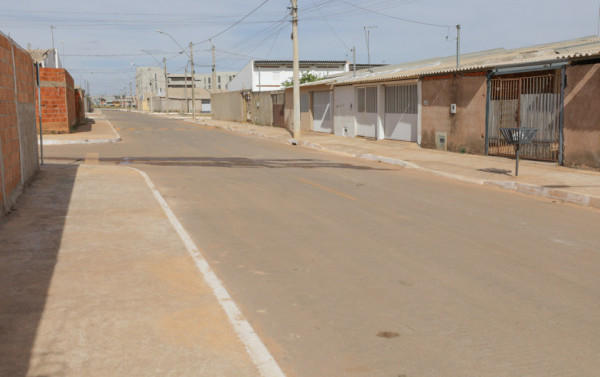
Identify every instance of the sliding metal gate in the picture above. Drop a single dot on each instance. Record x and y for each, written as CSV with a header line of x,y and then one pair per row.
x,y
532,101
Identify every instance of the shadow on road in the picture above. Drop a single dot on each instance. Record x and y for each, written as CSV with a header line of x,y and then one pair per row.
x,y
30,238
237,162
496,171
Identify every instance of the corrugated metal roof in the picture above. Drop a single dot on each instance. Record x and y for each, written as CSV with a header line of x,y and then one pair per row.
x,y
302,62
488,59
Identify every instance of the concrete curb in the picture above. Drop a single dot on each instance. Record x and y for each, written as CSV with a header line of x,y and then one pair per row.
x,y
524,188
85,141
548,192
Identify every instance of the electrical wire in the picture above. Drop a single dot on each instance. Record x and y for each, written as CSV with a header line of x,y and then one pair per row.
x,y
330,28
234,24
398,18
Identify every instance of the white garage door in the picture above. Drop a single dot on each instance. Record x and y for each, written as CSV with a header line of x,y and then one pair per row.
x,y
401,107
323,121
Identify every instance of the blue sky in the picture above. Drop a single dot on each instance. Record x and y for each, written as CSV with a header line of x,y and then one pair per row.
x,y
100,40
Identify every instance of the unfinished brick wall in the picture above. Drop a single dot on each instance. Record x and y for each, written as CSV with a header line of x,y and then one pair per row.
x,y
18,148
58,101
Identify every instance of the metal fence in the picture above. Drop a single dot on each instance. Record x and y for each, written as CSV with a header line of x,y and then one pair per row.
x,y
525,102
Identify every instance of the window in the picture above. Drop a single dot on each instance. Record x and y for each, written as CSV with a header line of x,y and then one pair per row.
x,y
366,99
401,99
360,100
371,99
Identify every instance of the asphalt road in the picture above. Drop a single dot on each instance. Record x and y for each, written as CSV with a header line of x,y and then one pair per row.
x,y
350,268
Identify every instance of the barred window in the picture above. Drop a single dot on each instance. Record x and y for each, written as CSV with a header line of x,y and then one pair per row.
x,y
371,99
360,100
401,99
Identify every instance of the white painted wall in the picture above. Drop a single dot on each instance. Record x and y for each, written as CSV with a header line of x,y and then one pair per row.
x,y
344,123
243,80
259,79
379,132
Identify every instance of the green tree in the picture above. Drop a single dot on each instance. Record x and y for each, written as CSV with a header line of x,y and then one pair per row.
x,y
304,78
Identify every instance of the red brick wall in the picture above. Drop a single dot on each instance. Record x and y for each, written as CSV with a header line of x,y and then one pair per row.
x,y
16,98
58,101
9,132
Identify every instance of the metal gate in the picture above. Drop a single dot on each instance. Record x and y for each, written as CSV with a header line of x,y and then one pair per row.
x,y
532,101
322,119
278,101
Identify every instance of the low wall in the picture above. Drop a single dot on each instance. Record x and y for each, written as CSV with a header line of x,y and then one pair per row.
x,y
581,126
18,144
229,106
465,130
261,108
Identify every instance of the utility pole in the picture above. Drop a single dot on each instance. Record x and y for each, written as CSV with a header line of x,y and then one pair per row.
x,y
187,104
354,60
193,82
457,46
130,97
214,70
166,84
39,101
296,66
64,59
367,35
55,53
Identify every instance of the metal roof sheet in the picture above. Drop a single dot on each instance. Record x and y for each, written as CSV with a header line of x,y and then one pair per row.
x,y
336,62
488,59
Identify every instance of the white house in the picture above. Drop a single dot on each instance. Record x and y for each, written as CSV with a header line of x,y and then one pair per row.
x,y
266,75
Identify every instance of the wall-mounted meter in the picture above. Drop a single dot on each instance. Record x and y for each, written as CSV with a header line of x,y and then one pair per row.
x,y
453,108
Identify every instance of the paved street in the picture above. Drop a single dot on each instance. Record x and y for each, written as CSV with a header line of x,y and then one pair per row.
x,y
351,268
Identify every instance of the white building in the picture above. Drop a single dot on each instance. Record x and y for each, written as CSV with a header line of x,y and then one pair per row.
x,y
149,82
202,80
266,75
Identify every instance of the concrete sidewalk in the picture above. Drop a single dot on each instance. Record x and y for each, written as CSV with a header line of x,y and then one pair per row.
x,y
95,280
96,130
543,179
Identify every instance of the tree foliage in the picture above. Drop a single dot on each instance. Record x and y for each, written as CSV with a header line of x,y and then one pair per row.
x,y
304,78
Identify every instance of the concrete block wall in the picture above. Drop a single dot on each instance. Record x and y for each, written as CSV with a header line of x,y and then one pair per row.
x,y
18,146
229,106
58,101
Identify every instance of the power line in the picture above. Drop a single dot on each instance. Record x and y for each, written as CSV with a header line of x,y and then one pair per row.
x,y
330,28
234,24
397,18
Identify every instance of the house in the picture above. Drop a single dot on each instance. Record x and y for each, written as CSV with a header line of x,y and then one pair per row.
x,y
266,75
438,104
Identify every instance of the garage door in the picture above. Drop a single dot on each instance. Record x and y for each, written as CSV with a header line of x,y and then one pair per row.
x,y
323,120
401,118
